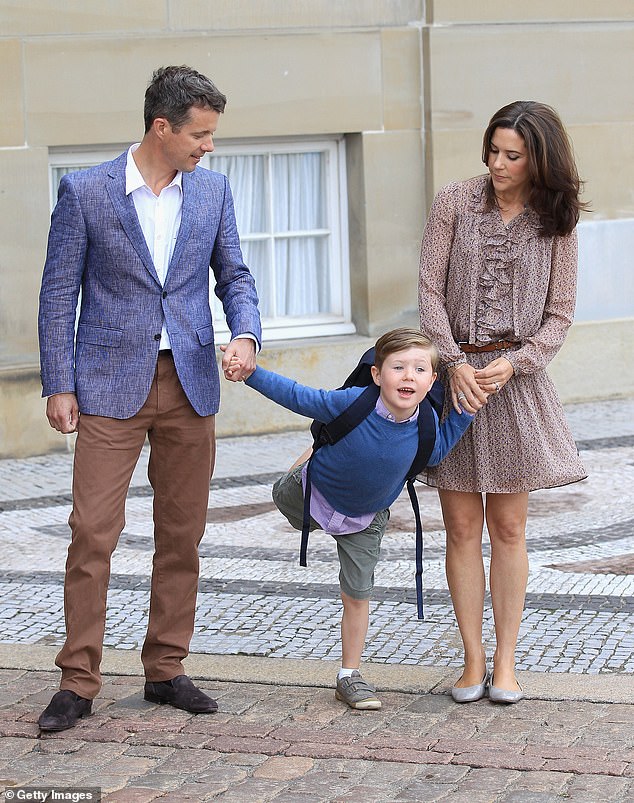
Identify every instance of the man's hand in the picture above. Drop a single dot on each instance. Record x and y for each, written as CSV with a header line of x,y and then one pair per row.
x,y
62,412
238,361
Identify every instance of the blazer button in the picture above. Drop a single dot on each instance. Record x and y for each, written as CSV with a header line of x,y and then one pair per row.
x,y
164,294
157,337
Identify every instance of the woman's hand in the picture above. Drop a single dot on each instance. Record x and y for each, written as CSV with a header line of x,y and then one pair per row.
x,y
466,393
493,378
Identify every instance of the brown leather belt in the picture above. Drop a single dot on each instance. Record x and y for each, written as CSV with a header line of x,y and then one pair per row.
x,y
498,345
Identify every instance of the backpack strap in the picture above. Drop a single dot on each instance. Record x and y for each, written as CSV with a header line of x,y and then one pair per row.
x,y
303,547
347,420
426,441
426,438
419,548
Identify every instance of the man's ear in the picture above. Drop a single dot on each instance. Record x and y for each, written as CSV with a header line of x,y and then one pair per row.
x,y
376,375
160,126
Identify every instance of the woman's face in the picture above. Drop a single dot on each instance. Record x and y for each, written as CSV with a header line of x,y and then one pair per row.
x,y
508,162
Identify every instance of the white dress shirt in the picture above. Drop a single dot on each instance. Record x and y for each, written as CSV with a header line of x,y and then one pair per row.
x,y
160,219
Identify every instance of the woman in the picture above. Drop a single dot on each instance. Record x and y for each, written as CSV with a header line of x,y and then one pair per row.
x,y
497,295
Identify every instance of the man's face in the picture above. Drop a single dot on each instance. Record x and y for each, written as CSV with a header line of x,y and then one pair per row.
x,y
183,149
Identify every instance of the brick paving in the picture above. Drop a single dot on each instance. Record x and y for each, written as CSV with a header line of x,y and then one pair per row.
x,y
275,741
272,742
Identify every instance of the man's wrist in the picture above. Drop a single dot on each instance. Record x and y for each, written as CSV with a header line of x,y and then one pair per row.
x,y
249,336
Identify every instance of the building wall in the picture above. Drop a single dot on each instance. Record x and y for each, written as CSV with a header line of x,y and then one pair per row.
x,y
410,84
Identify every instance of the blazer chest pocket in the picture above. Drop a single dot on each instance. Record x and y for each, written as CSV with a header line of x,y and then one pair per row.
x,y
99,335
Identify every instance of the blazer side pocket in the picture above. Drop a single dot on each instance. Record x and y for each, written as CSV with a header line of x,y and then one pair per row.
x,y
205,335
98,335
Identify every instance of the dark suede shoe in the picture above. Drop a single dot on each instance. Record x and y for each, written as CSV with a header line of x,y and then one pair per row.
x,y
181,693
63,711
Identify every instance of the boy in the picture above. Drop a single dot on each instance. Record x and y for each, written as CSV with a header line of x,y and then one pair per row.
x,y
355,481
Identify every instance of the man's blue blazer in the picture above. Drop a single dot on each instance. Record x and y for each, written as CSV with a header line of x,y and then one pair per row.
x,y
96,246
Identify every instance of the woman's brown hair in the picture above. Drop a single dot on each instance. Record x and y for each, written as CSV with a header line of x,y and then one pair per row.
x,y
555,184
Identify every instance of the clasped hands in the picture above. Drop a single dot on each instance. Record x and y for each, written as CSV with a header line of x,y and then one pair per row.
x,y
471,388
238,359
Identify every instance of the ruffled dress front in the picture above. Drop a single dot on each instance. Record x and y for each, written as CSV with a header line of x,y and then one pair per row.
x,y
496,279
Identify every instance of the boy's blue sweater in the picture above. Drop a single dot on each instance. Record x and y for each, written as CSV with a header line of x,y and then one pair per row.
x,y
365,471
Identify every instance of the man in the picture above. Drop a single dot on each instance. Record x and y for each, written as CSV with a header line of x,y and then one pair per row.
x,y
138,236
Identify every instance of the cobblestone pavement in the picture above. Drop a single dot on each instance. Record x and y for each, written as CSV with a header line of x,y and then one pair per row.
x,y
294,742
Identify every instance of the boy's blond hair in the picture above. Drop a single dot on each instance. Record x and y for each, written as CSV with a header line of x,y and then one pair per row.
x,y
400,340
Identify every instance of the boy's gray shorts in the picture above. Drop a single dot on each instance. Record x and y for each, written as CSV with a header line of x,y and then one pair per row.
x,y
358,552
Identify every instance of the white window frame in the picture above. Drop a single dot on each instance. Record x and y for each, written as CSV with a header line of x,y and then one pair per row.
x,y
76,159
338,321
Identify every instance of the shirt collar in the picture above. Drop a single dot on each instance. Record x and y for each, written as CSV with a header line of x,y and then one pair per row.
x,y
134,180
382,410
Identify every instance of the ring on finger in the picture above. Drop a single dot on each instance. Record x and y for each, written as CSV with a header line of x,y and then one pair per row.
x,y
497,387
461,395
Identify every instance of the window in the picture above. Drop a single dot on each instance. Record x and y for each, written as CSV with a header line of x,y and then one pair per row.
x,y
62,162
292,218
288,200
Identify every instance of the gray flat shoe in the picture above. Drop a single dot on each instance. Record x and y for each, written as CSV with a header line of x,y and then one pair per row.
x,y
504,695
471,694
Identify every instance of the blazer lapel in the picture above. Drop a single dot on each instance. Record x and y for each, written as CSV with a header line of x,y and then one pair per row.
x,y
191,204
124,207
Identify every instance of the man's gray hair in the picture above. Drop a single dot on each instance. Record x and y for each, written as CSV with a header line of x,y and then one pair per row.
x,y
174,90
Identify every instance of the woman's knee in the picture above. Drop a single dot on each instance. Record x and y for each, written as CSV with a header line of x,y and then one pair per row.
x,y
506,519
463,515
508,534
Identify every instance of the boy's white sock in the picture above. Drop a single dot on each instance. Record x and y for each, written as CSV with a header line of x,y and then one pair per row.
x,y
346,673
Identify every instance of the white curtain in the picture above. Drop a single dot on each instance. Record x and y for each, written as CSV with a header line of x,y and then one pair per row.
x,y
248,176
281,212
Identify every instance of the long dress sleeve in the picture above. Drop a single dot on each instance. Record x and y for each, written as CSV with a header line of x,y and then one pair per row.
x,y
434,262
539,349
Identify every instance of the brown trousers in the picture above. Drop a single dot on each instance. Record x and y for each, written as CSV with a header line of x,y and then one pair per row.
x,y
182,453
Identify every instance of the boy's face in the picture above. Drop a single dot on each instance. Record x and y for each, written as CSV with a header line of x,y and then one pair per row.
x,y
404,378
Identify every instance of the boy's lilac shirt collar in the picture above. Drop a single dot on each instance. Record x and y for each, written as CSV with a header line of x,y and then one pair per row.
x,y
325,515
382,410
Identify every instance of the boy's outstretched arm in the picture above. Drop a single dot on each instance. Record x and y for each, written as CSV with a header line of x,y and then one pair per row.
x,y
449,433
324,405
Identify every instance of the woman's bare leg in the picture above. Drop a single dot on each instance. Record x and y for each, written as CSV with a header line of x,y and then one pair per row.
x,y
463,514
506,522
